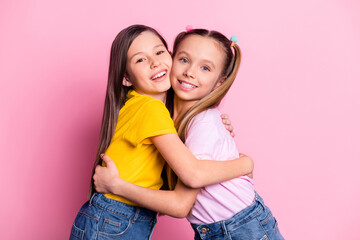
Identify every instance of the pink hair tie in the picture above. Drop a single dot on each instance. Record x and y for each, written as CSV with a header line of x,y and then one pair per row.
x,y
189,28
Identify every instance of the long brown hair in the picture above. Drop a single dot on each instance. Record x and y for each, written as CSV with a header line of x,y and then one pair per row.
x,y
116,92
213,99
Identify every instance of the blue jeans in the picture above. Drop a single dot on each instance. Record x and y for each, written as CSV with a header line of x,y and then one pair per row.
x,y
104,218
254,222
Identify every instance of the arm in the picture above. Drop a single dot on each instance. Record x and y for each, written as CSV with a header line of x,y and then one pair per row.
x,y
176,203
199,173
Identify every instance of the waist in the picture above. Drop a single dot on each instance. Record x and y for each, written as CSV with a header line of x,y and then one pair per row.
x,y
222,201
232,223
121,208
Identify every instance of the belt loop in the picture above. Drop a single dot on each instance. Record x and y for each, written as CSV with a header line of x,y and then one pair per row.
x,y
136,215
223,226
260,200
91,199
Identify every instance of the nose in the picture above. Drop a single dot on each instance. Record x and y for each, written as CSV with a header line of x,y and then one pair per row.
x,y
154,62
189,72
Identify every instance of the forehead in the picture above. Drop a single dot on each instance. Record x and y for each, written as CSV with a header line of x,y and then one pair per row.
x,y
143,42
202,47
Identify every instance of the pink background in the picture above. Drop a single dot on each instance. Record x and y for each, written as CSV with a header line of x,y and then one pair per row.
x,y
295,106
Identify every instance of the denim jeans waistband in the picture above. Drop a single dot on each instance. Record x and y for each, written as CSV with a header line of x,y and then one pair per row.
x,y
121,208
238,219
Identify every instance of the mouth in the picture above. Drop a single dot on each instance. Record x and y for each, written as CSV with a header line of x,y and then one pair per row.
x,y
186,86
158,76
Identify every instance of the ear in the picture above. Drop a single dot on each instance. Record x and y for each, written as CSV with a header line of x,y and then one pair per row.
x,y
126,82
221,80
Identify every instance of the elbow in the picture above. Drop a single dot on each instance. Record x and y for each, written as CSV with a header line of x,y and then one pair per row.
x,y
182,209
191,177
180,213
249,164
195,184
193,180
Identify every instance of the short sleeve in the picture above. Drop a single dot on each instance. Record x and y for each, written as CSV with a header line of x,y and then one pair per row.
x,y
151,119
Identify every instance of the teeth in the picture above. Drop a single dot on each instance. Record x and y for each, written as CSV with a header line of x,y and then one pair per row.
x,y
187,85
159,75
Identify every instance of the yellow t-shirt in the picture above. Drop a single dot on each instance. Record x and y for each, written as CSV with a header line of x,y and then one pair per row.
x,y
136,158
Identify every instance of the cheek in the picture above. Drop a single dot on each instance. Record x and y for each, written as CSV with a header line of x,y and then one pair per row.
x,y
136,74
210,84
166,58
169,60
176,69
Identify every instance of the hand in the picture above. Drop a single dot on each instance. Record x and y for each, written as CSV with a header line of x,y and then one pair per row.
x,y
105,178
226,121
250,175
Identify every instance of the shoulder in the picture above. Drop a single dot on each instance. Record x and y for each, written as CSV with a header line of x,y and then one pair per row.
x,y
147,117
205,134
206,127
207,118
145,110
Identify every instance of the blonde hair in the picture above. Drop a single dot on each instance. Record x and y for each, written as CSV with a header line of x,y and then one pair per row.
x,y
213,99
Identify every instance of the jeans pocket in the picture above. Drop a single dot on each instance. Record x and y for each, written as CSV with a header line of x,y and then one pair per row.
x,y
76,233
113,226
270,225
82,224
248,230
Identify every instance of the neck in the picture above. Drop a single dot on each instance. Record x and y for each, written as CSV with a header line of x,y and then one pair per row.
x,y
180,108
160,96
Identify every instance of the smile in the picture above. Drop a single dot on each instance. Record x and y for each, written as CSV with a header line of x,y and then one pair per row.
x,y
187,85
158,75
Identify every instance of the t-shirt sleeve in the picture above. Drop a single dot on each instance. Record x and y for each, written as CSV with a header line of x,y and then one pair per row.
x,y
152,119
203,137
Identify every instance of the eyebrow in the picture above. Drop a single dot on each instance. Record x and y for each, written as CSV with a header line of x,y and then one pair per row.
x,y
204,60
138,53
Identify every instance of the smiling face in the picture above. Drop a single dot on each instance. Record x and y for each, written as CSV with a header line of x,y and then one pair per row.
x,y
197,65
148,66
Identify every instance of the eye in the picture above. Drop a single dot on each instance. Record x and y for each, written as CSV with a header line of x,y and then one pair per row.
x,y
140,60
160,52
184,60
205,68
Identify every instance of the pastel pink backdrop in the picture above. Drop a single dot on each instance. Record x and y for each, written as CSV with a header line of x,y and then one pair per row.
x,y
295,106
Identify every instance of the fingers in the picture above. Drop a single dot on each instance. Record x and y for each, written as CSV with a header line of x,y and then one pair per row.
x,y
95,177
224,116
106,159
97,169
229,127
225,119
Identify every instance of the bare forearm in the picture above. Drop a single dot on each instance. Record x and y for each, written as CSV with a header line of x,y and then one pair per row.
x,y
211,172
175,203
